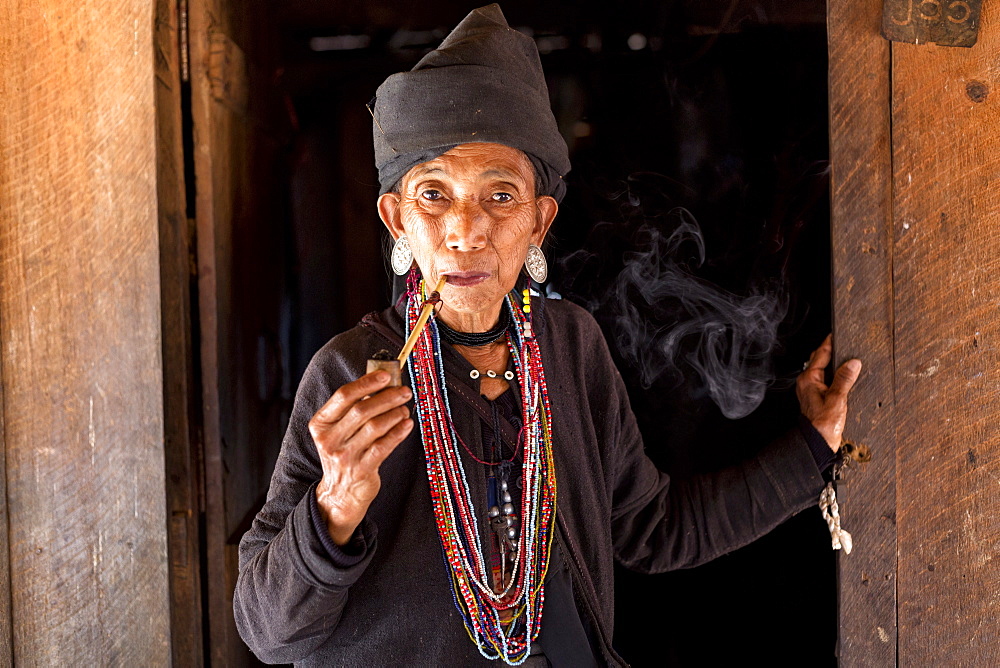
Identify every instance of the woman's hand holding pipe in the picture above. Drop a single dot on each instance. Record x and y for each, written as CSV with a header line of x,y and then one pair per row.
x,y
826,407
354,432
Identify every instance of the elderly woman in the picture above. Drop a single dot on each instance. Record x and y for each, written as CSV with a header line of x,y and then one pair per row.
x,y
484,525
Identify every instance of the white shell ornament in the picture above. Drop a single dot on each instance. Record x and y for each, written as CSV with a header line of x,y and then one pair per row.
x,y
401,257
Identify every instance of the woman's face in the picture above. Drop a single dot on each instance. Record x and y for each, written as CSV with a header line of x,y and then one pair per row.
x,y
470,215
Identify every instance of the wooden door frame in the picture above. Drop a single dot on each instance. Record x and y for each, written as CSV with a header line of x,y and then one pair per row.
x,y
181,405
861,241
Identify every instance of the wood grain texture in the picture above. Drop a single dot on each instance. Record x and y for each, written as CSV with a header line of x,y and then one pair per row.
x,y
80,335
946,182
6,643
863,316
216,163
181,411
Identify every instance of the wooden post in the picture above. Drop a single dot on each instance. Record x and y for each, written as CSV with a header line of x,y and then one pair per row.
x,y
915,242
238,121
6,646
861,227
80,334
946,286
181,405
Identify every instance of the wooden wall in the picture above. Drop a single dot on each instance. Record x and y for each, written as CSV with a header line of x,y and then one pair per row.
x,y
916,234
82,404
946,279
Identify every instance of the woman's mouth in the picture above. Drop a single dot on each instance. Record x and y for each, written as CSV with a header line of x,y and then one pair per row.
x,y
465,279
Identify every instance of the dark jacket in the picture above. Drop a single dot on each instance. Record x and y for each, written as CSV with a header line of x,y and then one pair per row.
x,y
395,606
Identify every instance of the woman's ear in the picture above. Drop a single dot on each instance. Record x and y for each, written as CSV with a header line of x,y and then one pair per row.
x,y
388,211
546,209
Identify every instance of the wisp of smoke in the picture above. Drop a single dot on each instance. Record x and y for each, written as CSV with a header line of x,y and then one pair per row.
x,y
664,314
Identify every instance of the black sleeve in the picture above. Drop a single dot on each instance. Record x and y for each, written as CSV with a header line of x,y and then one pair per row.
x,y
821,452
293,581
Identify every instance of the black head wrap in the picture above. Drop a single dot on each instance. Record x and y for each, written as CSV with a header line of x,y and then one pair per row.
x,y
484,83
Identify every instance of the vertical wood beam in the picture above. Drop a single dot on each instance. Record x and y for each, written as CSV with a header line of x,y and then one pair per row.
x,y
80,335
861,228
946,201
180,402
219,137
6,646
239,205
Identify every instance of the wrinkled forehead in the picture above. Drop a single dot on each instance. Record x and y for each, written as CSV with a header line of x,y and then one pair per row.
x,y
476,162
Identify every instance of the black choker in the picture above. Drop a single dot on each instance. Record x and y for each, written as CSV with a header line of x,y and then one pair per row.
x,y
476,339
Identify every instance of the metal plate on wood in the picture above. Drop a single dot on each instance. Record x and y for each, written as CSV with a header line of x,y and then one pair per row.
x,y
944,22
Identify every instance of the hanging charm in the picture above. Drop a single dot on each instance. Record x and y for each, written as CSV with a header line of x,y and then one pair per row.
x,y
831,513
503,521
536,265
401,257
526,307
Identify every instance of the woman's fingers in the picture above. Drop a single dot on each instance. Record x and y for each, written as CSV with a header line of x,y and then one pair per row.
x,y
826,407
339,420
820,358
351,393
366,410
374,429
354,432
844,379
343,443
384,446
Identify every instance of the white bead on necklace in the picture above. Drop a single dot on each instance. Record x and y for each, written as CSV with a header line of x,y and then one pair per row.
x,y
490,373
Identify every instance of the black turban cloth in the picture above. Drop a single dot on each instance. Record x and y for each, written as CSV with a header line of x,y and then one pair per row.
x,y
484,83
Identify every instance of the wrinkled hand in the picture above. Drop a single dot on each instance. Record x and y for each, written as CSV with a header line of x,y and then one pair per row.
x,y
826,407
354,432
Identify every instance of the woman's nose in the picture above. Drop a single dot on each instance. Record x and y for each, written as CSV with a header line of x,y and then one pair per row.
x,y
466,226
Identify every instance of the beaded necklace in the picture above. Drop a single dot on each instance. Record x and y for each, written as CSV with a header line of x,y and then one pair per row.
x,y
502,623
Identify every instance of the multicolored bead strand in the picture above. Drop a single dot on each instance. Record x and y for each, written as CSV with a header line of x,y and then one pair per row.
x,y
454,512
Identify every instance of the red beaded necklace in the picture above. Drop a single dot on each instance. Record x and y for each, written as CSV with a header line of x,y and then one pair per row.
x,y
502,623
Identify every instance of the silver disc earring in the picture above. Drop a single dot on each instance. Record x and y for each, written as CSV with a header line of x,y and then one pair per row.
x,y
401,257
535,264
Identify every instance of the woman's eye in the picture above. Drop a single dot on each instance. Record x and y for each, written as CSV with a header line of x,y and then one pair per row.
x,y
431,195
502,197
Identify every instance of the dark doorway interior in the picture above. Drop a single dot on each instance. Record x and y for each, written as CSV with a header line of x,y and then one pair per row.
x,y
716,106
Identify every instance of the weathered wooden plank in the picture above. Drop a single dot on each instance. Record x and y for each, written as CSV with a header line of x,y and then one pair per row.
x,y
80,335
6,646
240,265
946,175
214,176
180,405
863,314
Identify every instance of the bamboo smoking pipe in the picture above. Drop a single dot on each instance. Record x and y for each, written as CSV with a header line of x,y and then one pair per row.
x,y
395,366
